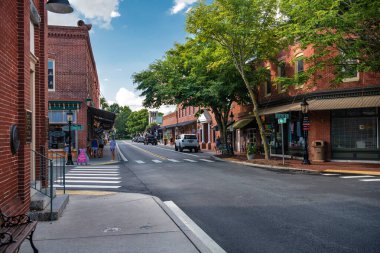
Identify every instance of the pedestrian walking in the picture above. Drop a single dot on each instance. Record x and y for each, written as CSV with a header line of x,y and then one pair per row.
x,y
113,147
101,146
94,148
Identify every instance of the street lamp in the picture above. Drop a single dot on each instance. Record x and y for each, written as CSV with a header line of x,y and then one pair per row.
x,y
69,117
59,6
305,126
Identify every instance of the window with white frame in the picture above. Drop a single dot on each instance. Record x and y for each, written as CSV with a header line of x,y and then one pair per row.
x,y
51,74
31,37
60,117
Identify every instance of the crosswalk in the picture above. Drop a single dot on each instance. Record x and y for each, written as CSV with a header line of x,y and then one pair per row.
x,y
362,178
172,161
91,178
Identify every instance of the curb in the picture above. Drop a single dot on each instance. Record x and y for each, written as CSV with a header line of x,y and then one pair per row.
x,y
198,244
295,169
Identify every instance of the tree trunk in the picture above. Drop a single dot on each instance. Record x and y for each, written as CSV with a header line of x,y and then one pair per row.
x,y
256,112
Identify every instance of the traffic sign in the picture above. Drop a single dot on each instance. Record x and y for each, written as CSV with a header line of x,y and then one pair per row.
x,y
282,121
282,116
73,128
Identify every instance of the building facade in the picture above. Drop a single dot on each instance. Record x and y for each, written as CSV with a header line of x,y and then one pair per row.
x,y
23,114
72,85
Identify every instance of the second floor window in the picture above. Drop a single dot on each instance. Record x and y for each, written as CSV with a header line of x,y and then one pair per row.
x,y
268,84
51,75
299,65
281,73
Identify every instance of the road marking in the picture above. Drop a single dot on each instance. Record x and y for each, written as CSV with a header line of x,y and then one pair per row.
x,y
146,151
91,171
173,160
370,180
139,161
120,153
189,160
205,160
97,174
190,224
330,174
74,177
157,161
89,186
347,177
98,167
89,181
177,151
94,170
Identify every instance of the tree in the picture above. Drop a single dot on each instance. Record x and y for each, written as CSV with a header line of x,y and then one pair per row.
x,y
197,73
137,122
343,33
121,120
103,103
115,108
248,30
152,128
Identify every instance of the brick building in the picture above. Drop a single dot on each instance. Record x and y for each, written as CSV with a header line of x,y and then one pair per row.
x,y
23,58
73,85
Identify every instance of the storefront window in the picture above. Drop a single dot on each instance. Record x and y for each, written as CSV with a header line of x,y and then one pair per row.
x,y
59,117
355,129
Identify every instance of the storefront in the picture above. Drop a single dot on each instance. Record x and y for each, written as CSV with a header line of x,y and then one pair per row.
x,y
355,134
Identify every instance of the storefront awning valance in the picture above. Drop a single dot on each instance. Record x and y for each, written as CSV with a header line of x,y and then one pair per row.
x,y
344,103
281,108
179,124
242,123
64,105
106,118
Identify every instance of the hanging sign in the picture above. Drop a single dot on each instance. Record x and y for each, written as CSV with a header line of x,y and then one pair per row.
x,y
306,123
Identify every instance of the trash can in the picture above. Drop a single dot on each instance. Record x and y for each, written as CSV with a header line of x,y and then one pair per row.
x,y
319,151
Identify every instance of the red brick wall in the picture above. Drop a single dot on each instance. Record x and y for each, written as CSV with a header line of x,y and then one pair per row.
x,y
76,75
15,99
320,130
169,119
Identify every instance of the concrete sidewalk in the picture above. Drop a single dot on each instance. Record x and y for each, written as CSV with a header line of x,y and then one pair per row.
x,y
115,223
314,167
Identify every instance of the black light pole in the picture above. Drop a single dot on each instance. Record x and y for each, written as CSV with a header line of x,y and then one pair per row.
x,y
305,126
69,116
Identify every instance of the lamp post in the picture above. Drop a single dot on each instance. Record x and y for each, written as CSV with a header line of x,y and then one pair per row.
x,y
305,126
69,117
231,149
59,6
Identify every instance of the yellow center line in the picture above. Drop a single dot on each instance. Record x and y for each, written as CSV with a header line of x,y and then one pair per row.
x,y
148,152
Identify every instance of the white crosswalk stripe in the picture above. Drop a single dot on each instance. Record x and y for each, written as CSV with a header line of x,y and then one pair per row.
x,y
91,177
189,160
157,161
205,160
353,177
330,174
140,162
173,160
371,180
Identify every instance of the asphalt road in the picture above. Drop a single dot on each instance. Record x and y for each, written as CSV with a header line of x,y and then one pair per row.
x,y
246,209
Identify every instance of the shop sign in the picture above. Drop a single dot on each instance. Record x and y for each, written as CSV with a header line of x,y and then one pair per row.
x,y
306,123
282,116
282,121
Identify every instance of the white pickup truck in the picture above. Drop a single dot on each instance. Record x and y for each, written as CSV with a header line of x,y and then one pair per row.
x,y
186,141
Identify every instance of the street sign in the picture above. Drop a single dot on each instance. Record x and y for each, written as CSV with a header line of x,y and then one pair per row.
x,y
282,116
282,121
73,128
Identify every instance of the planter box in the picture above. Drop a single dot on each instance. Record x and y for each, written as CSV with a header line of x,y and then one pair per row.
x,y
250,156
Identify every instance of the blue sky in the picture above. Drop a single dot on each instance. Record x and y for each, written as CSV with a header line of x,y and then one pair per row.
x,y
127,36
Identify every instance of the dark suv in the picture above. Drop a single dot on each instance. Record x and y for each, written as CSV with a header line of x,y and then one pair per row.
x,y
150,139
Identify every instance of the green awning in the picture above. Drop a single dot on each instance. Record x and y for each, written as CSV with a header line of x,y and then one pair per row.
x,y
242,123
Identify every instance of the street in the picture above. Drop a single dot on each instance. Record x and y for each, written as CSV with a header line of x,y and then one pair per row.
x,y
245,209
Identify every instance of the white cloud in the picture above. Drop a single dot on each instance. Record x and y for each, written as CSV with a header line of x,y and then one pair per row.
x,y
96,12
126,97
166,109
179,5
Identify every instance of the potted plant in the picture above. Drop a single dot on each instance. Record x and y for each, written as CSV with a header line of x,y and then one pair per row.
x,y
251,151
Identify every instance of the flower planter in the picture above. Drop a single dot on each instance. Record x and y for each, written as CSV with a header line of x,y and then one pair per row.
x,y
250,156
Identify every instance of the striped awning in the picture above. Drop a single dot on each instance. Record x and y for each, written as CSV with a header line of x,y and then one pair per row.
x,y
344,103
322,104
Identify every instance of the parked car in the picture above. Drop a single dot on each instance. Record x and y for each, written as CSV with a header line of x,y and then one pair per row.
x,y
134,139
150,139
187,141
140,139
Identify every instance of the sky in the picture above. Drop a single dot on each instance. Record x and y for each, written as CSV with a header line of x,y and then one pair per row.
x,y
127,36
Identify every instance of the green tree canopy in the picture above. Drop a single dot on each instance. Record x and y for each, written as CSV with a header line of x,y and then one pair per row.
x,y
248,30
137,122
121,120
343,33
197,73
103,103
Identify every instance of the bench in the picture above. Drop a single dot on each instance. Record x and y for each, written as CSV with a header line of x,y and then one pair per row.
x,y
14,230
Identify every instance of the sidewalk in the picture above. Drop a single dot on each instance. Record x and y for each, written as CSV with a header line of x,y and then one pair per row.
x,y
115,223
314,167
106,159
